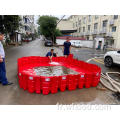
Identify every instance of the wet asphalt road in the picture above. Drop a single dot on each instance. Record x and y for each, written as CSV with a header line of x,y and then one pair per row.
x,y
86,54
13,95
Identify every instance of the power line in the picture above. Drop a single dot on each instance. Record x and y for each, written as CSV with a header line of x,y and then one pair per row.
x,y
61,19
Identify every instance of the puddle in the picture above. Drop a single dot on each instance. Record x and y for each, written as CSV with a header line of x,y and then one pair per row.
x,y
53,71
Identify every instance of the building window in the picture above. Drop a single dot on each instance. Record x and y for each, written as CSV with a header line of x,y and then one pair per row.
x,y
73,25
105,23
83,29
26,28
95,26
114,29
79,29
76,24
88,27
26,20
115,16
89,18
84,20
96,16
79,22
87,37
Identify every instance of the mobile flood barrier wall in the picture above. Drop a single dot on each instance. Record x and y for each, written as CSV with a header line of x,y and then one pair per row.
x,y
34,79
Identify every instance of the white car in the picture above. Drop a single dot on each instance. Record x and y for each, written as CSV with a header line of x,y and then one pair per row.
x,y
77,44
112,57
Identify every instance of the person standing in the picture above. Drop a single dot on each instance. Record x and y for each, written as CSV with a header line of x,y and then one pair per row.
x,y
67,47
3,78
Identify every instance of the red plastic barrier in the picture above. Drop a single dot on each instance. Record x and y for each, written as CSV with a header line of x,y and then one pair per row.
x,y
24,80
37,84
20,79
81,80
46,85
71,82
31,84
88,75
62,83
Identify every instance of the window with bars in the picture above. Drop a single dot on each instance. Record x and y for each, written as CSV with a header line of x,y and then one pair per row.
x,y
89,18
76,24
114,29
95,26
25,20
115,16
84,20
105,23
89,27
83,29
87,37
96,16
79,22
79,29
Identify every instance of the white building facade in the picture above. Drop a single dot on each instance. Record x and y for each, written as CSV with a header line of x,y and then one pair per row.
x,y
28,25
98,26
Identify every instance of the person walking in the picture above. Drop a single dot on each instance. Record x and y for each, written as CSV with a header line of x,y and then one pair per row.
x,y
67,47
3,78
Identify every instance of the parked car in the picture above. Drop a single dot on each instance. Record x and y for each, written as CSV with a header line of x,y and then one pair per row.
x,y
48,42
77,44
112,57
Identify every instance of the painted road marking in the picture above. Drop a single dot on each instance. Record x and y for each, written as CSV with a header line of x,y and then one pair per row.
x,y
99,61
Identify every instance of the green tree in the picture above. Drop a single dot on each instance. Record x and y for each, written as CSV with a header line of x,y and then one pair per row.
x,y
48,26
58,33
39,33
9,24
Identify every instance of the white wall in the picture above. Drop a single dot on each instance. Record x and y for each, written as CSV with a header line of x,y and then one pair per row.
x,y
84,43
97,42
19,37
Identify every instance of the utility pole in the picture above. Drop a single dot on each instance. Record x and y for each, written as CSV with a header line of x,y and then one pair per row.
x,y
57,24
60,19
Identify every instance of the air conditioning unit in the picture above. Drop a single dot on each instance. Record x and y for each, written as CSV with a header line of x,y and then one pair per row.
x,y
111,22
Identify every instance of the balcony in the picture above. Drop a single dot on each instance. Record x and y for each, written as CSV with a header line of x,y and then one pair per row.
x,y
82,33
26,24
87,33
104,30
95,32
109,34
111,22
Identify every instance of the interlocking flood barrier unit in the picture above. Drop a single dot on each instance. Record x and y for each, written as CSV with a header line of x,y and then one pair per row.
x,y
38,74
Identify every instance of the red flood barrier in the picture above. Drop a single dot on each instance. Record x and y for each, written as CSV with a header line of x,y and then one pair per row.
x,y
37,74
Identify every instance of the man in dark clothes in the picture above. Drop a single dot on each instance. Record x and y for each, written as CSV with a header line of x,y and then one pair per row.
x,y
67,47
51,54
